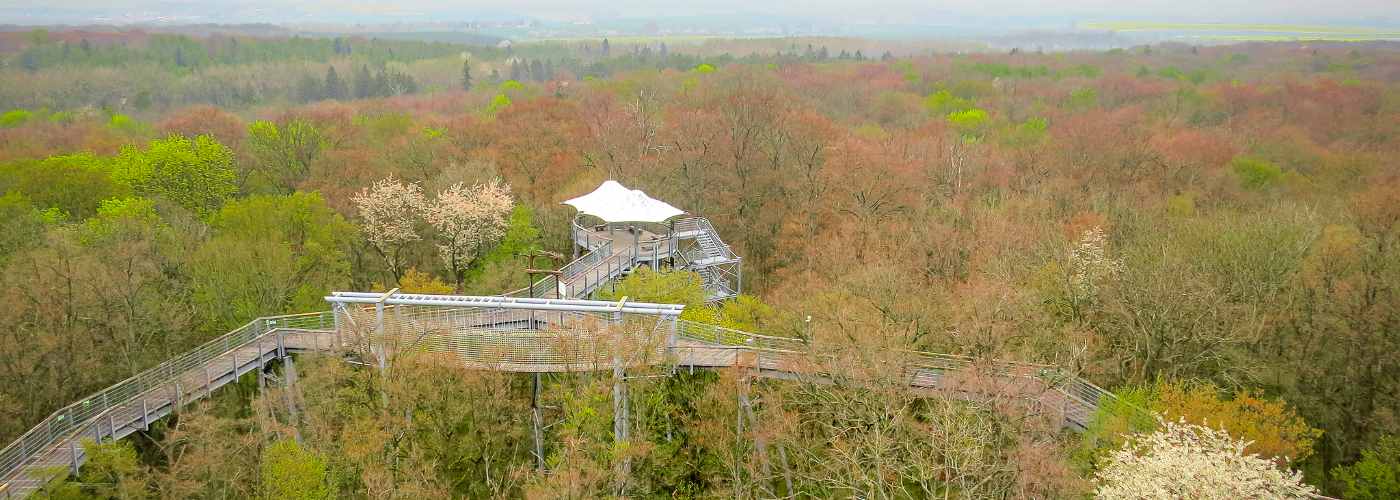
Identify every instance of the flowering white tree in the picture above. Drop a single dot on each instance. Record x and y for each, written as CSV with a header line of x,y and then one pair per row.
x,y
1090,266
469,220
388,210
1183,460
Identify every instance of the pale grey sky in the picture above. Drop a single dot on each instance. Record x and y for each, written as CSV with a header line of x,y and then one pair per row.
x,y
1375,12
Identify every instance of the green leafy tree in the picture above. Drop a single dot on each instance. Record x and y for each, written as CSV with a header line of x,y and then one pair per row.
x,y
1377,475
197,175
14,118
285,153
71,185
113,471
1257,175
271,255
290,472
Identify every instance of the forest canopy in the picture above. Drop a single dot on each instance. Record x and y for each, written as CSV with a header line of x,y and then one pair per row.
x,y
1211,232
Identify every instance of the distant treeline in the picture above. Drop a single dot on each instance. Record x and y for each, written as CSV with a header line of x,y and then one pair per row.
x,y
179,51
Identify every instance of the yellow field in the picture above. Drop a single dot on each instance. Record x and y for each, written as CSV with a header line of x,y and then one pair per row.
x,y
1267,28
1304,38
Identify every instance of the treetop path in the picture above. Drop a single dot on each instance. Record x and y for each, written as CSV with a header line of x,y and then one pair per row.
x,y
511,334
547,327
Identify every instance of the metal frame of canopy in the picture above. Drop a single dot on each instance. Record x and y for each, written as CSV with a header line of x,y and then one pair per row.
x,y
500,302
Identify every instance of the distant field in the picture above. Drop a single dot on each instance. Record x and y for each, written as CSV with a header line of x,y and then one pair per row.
x,y
1297,38
1266,28
672,40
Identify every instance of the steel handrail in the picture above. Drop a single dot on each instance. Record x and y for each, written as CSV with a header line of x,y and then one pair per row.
x,y
80,414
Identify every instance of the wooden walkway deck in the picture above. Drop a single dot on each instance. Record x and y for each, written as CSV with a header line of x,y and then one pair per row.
x,y
473,334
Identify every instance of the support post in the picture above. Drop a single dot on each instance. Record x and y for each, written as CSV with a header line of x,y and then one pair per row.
x,y
379,336
619,397
538,431
112,426
289,373
739,289
145,416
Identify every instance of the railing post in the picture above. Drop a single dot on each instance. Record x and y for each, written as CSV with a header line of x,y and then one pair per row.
x,y
73,455
145,415
112,426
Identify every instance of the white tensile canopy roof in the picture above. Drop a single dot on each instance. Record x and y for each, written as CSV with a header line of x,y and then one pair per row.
x,y
613,202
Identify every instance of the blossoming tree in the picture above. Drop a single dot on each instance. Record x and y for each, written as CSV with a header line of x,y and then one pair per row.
x,y
388,210
1182,460
468,220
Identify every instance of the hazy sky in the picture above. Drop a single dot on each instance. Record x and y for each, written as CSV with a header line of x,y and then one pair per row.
x,y
1263,11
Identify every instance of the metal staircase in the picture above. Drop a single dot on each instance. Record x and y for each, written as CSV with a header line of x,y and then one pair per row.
x,y
690,244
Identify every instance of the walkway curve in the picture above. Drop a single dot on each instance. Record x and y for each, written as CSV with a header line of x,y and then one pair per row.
x,y
516,340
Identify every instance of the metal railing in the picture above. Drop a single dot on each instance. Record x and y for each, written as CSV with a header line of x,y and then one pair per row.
x,y
80,417
703,225
509,340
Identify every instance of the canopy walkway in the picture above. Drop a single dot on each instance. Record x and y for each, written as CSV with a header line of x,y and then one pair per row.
x,y
508,334
611,250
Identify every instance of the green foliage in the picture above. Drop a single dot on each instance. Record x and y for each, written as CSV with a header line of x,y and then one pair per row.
x,y
501,268
968,121
1083,98
15,118
1182,205
943,102
1377,475
1084,70
704,68
1256,174
290,472
686,287
21,225
285,154
511,85
1115,420
665,287
1030,133
128,126
63,118
1003,70
112,472
497,103
117,208
74,185
197,175
271,255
